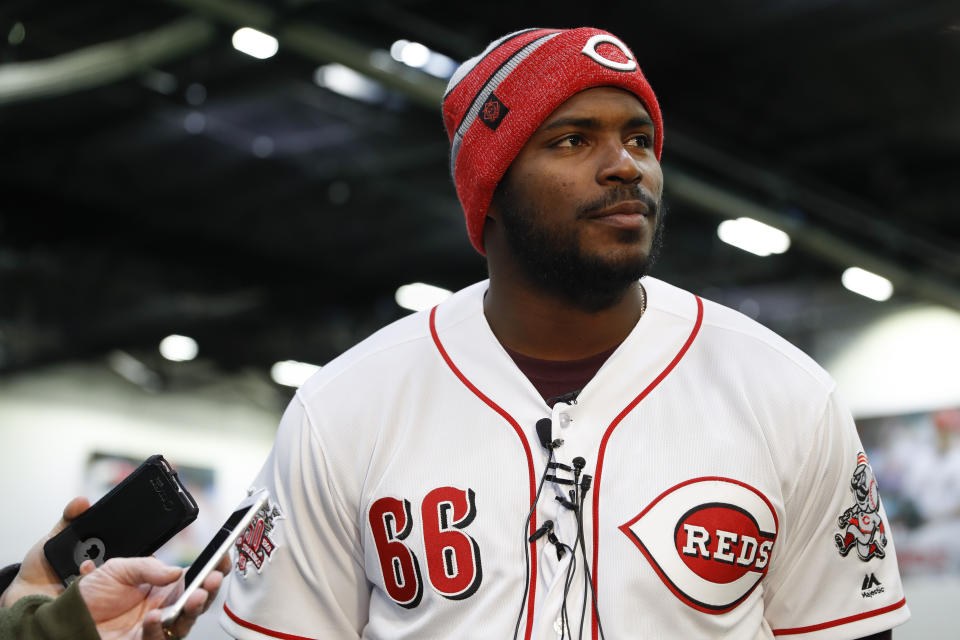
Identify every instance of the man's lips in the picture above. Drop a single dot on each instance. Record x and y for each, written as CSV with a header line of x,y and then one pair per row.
x,y
631,214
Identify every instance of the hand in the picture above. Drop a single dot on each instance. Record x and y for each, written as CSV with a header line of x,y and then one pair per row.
x,y
125,596
36,576
152,629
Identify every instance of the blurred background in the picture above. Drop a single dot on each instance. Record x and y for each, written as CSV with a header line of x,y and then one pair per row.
x,y
202,201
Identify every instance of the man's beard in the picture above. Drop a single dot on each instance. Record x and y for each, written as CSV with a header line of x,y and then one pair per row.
x,y
553,260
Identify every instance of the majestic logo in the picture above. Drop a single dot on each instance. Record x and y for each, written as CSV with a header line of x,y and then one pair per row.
x,y
709,540
493,112
861,524
255,545
871,586
592,51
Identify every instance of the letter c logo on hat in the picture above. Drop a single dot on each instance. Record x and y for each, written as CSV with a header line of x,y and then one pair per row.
x,y
590,50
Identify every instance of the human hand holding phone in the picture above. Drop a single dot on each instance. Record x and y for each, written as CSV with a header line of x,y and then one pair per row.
x,y
215,553
133,519
125,597
36,576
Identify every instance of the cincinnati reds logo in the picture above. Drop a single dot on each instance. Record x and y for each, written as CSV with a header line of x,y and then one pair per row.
x,y
592,51
861,523
709,540
255,546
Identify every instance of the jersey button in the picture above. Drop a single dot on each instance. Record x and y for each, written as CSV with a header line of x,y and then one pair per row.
x,y
565,420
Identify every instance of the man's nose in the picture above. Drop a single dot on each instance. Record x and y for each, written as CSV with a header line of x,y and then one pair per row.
x,y
620,166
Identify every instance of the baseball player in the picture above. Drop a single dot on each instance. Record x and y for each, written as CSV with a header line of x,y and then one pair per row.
x,y
570,448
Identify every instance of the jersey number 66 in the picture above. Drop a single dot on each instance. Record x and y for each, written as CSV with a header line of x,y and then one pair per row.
x,y
453,557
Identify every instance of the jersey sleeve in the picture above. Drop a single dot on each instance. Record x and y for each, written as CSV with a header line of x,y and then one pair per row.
x,y
834,572
299,575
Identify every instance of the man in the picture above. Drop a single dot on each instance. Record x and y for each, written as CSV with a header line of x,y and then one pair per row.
x,y
565,449
120,600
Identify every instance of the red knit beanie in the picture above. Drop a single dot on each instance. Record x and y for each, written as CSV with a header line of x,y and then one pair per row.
x,y
495,102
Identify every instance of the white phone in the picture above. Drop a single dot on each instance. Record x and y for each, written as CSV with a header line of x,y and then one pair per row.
x,y
208,559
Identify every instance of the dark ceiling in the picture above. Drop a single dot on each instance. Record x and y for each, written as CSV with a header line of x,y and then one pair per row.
x,y
154,180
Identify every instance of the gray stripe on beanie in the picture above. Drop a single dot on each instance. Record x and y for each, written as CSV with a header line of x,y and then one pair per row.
x,y
468,65
499,76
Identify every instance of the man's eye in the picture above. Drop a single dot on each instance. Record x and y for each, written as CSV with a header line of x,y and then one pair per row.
x,y
642,140
573,140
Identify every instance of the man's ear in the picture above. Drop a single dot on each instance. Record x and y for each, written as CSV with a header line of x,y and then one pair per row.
x,y
490,227
493,209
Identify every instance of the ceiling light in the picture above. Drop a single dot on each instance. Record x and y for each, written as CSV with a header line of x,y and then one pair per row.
x,y
196,94
419,296
414,55
195,122
396,49
159,81
262,146
291,373
867,284
132,370
753,236
178,348
17,34
348,82
439,65
255,43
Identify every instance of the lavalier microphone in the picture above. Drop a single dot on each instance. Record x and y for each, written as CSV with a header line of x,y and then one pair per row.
x,y
545,434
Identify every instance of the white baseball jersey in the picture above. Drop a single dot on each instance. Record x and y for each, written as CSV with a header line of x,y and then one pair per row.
x,y
730,497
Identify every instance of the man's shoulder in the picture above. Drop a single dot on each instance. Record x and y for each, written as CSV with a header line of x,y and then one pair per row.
x,y
729,333
402,344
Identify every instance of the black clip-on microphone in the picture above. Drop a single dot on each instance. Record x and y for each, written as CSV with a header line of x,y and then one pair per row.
x,y
552,538
586,482
545,434
546,527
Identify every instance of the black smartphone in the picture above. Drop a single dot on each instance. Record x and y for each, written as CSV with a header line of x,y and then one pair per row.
x,y
135,518
239,521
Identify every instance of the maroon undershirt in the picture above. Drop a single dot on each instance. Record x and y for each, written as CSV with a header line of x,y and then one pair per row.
x,y
554,378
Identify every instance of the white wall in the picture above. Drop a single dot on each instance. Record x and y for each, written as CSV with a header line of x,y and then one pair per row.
x,y
905,361
53,419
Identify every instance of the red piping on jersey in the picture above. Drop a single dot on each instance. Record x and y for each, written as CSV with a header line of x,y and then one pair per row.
x,y
526,449
835,623
270,632
603,448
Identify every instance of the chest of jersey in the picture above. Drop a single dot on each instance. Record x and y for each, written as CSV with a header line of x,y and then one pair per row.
x,y
678,522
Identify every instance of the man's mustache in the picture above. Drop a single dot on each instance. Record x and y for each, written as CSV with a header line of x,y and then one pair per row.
x,y
616,195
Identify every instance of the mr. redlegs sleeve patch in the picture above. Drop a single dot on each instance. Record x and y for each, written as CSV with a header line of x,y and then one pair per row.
x,y
860,524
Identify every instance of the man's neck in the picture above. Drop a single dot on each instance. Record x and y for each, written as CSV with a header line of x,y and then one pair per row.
x,y
543,325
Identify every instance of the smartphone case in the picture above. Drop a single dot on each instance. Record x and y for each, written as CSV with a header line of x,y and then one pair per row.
x,y
134,519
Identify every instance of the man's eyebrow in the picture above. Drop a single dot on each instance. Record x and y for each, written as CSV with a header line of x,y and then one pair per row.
x,y
595,123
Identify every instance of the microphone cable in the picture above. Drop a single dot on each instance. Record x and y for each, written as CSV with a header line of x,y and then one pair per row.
x,y
583,486
568,581
550,446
